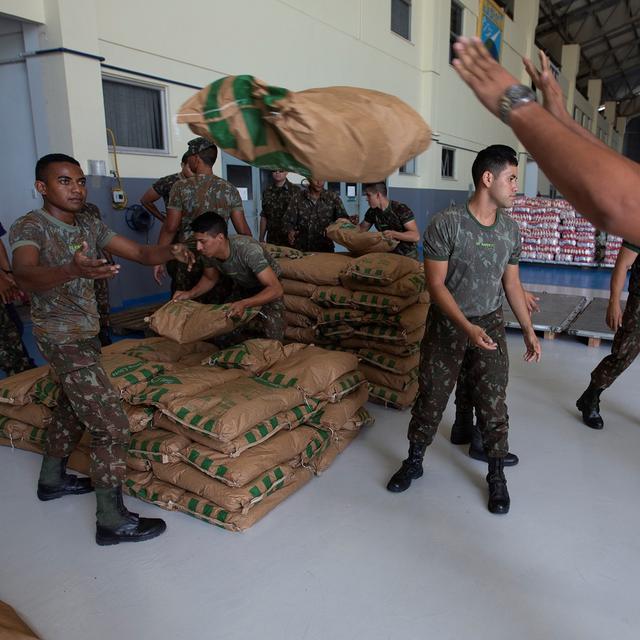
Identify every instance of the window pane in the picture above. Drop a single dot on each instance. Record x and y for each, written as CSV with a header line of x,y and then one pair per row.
x,y
333,186
134,114
401,18
409,167
447,164
455,27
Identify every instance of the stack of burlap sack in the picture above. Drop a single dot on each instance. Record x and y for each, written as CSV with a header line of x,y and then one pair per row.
x,y
373,305
223,435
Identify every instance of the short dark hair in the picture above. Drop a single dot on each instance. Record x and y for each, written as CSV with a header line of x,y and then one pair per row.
x,y
209,155
52,158
494,158
210,222
375,187
185,156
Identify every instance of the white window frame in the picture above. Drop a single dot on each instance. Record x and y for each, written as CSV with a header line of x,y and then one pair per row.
x,y
410,4
164,111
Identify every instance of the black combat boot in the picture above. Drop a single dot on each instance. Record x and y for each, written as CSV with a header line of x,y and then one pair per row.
x,y
462,427
116,524
55,482
411,469
589,404
499,500
476,449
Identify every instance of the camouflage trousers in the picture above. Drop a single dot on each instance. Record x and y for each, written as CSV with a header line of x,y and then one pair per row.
x,y
87,401
464,388
13,354
183,280
626,346
444,348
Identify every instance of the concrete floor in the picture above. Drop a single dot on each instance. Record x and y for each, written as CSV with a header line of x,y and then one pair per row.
x,y
345,559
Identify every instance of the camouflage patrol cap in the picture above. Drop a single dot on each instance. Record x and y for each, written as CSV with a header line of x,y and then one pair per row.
x,y
198,145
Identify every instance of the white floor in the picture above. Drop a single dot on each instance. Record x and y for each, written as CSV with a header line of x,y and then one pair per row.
x,y
345,559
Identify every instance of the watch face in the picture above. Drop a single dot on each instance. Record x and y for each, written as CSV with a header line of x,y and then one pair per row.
x,y
518,92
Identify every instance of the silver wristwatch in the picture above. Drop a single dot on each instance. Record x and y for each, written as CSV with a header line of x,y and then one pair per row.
x,y
515,96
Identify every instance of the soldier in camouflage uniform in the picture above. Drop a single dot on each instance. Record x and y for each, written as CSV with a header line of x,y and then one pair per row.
x,y
626,342
101,289
14,357
254,273
275,202
471,261
190,198
394,219
309,214
161,188
55,257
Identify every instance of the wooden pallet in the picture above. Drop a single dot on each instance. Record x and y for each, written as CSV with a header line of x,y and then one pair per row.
x,y
131,320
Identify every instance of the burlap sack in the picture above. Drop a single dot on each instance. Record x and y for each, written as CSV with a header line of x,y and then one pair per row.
x,y
80,461
157,445
253,356
408,319
346,134
359,242
381,268
298,288
361,418
160,349
12,626
394,364
399,350
392,398
136,481
189,321
410,285
32,385
157,492
34,414
165,389
298,320
381,302
285,446
334,332
23,445
229,410
12,429
395,381
339,443
382,333
342,387
327,296
254,436
310,369
340,316
278,251
316,268
138,464
300,334
130,376
139,417
194,481
202,509
335,415
304,306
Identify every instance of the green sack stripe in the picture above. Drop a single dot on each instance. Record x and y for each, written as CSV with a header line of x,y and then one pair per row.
x,y
219,128
251,114
281,160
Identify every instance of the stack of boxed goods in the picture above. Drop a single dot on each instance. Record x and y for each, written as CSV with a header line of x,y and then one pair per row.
x,y
373,306
552,231
224,439
612,249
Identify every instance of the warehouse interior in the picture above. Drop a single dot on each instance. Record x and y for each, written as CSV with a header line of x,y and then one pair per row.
x,y
328,551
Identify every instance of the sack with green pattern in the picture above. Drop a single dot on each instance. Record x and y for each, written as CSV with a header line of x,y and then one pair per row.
x,y
278,251
401,350
408,319
410,285
157,445
38,415
316,268
33,385
381,302
302,305
159,349
305,335
345,134
359,242
298,320
254,355
327,296
189,321
340,317
395,381
298,288
130,376
389,362
381,394
381,268
342,387
384,333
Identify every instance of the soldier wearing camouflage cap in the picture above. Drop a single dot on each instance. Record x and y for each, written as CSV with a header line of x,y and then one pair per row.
x,y
471,260
192,197
56,253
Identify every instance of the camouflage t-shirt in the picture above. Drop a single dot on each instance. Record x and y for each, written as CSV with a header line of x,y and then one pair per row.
x,y
199,194
162,186
247,259
275,201
67,312
310,219
634,276
393,218
477,254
